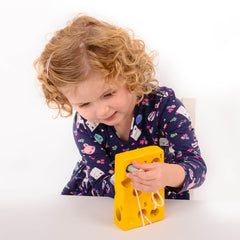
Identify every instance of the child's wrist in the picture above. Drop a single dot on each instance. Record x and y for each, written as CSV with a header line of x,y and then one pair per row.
x,y
176,176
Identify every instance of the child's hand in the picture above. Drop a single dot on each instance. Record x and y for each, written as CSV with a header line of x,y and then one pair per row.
x,y
156,176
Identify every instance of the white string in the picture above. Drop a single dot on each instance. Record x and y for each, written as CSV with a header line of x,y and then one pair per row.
x,y
147,219
139,205
155,202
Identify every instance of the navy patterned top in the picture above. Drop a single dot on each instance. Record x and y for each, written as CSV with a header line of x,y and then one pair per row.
x,y
159,119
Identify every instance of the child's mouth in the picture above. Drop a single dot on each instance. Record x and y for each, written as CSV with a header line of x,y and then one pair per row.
x,y
111,117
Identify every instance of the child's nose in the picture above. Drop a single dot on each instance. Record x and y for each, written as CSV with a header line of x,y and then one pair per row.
x,y
102,111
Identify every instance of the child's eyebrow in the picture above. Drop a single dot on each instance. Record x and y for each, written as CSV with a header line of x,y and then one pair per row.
x,y
81,103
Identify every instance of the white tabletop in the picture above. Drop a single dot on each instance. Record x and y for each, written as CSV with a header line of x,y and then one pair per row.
x,y
71,217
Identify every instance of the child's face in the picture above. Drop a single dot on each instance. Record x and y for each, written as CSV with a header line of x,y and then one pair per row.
x,y
94,100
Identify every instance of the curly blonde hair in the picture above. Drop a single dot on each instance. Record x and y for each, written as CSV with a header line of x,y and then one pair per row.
x,y
87,46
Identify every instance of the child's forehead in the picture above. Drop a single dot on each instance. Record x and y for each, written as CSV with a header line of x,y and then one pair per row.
x,y
88,89
97,83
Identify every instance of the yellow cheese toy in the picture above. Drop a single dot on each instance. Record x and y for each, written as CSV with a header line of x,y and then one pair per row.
x,y
133,208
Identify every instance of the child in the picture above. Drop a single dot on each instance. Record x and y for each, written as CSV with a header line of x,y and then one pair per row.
x,y
105,74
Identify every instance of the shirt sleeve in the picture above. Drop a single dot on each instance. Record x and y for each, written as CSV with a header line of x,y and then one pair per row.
x,y
183,144
94,174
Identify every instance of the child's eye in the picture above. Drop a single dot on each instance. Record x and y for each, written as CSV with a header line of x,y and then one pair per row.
x,y
109,94
84,105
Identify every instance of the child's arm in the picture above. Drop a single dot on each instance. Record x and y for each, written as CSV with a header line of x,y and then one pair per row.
x,y
187,169
94,174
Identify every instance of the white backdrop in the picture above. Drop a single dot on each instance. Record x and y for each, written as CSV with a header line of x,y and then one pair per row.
x,y
199,56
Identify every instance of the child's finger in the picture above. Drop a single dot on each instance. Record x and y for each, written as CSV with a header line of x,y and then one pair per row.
x,y
141,187
146,176
143,166
135,178
143,176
